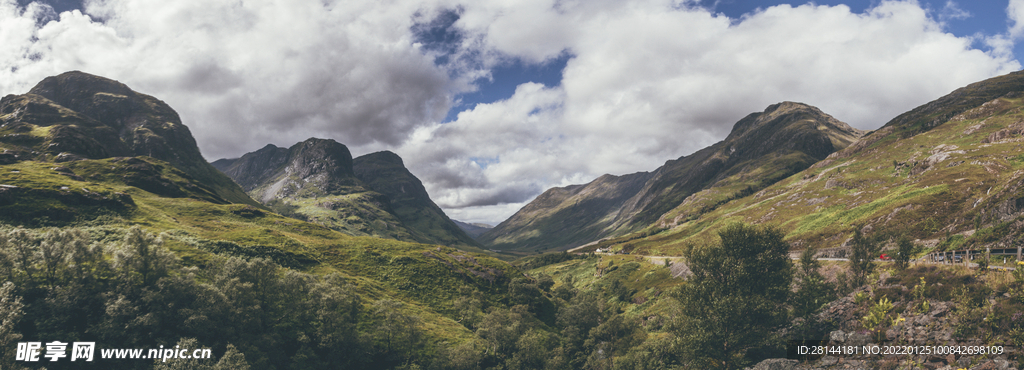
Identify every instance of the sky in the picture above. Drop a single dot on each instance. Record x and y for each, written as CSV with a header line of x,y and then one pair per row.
x,y
492,102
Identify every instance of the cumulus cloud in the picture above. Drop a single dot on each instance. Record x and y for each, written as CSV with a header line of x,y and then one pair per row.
x,y
1015,13
646,80
243,74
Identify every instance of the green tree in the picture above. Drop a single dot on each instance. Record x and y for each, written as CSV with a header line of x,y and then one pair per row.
x,y
812,290
141,258
862,254
732,301
905,250
397,332
11,311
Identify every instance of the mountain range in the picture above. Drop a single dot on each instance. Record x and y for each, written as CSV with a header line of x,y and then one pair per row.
x,y
762,148
949,173
319,181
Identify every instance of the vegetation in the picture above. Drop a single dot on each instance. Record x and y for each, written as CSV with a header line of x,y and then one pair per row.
x,y
731,303
905,250
863,251
813,290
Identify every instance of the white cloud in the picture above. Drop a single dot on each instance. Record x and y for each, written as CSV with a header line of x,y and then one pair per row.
x,y
952,11
648,80
243,74
1015,12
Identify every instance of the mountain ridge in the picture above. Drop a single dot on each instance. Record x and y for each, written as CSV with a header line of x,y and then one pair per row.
x,y
762,148
374,194
948,172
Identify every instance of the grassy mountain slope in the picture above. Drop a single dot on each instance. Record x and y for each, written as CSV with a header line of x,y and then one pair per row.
x,y
373,195
762,148
384,172
565,216
950,171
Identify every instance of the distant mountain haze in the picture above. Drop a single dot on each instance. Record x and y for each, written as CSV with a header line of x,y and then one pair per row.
x,y
474,230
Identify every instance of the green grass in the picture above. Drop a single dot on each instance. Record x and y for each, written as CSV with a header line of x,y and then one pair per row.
x,y
197,226
838,215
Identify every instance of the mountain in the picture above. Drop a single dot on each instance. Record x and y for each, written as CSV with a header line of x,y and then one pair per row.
x,y
950,173
474,230
762,149
385,173
318,180
77,118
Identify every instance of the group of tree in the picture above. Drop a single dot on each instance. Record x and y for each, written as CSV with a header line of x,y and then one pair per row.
x,y
71,285
122,289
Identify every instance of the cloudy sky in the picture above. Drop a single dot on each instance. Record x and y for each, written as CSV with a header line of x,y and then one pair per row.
x,y
492,102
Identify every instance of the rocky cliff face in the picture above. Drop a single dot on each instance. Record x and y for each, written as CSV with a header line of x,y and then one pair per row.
x,y
762,149
76,116
319,180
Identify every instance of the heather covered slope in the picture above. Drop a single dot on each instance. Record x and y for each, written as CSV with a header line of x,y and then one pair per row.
x,y
319,181
763,148
950,171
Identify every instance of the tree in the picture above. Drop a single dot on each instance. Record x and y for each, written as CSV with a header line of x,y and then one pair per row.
x,y
11,311
141,258
813,291
732,301
397,332
905,250
862,254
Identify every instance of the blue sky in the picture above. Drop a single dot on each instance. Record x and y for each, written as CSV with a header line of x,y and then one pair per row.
x,y
492,102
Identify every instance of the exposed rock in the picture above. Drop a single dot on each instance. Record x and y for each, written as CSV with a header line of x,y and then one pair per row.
x,y
775,364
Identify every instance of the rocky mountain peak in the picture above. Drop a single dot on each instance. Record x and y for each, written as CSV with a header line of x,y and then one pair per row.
x,y
107,101
370,195
321,157
76,115
385,156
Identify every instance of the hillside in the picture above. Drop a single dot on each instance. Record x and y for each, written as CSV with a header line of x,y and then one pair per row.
x,y
948,172
319,181
762,148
